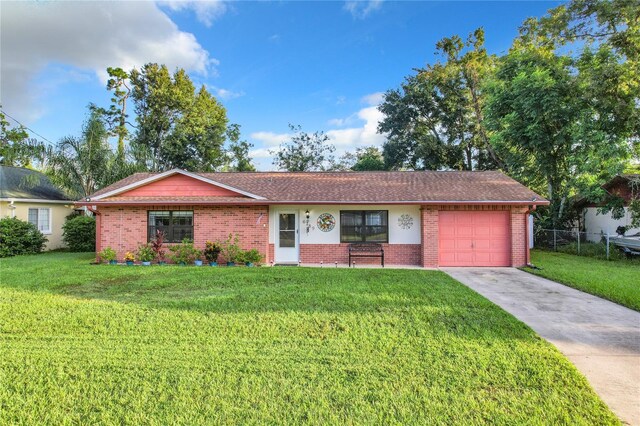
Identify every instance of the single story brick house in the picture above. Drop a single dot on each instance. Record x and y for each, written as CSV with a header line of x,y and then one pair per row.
x,y
423,218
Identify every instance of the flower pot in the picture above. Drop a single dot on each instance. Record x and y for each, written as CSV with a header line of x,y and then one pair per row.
x,y
249,264
182,263
162,262
198,262
113,262
146,263
129,262
213,263
231,264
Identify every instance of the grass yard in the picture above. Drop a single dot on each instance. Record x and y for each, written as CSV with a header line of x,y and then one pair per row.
x,y
185,345
618,281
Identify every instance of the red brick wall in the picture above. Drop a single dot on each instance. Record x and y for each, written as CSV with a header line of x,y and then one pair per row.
x,y
125,228
519,245
394,254
429,224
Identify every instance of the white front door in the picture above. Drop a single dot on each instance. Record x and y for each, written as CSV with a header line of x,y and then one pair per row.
x,y
287,237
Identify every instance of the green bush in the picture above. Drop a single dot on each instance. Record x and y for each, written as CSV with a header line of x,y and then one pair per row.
x,y
19,237
79,233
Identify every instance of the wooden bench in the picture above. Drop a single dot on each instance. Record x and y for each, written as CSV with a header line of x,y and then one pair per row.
x,y
366,250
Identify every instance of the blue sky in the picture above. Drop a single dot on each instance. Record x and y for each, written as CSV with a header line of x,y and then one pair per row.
x,y
322,65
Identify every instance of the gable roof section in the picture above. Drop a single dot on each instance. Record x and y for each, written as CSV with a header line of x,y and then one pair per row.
x,y
417,187
132,183
18,183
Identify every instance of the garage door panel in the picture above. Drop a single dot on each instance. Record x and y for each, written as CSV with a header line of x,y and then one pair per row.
x,y
474,238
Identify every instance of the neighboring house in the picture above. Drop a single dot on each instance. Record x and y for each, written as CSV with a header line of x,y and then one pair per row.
x,y
30,196
424,218
597,224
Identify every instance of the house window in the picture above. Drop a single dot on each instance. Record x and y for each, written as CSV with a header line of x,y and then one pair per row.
x,y
364,226
41,218
176,225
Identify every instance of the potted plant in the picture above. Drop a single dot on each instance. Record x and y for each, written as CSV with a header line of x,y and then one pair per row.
x,y
211,252
108,255
146,254
198,259
129,258
157,244
231,249
184,253
252,257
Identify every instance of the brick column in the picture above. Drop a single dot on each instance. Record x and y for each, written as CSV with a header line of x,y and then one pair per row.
x,y
429,237
519,246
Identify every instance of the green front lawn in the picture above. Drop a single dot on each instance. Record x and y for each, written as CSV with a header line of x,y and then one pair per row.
x,y
618,281
185,345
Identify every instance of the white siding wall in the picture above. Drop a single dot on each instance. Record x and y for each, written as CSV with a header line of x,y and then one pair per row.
x,y
397,235
596,224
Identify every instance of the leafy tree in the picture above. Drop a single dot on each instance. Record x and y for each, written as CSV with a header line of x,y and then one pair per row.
x,y
566,120
555,129
435,120
305,152
238,151
364,159
116,116
176,126
82,165
16,148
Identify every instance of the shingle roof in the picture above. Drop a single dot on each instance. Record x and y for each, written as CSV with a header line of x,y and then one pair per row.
x,y
20,183
360,187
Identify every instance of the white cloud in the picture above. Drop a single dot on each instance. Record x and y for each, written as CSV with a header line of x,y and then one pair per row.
x,y
225,93
373,99
356,137
270,138
274,38
86,37
360,9
206,10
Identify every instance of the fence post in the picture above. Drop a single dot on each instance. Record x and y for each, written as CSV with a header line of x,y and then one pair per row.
x,y
607,246
555,248
578,234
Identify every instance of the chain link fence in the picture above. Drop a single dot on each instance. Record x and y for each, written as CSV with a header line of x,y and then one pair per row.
x,y
579,243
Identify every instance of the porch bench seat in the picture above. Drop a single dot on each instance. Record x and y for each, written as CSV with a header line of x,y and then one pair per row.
x,y
366,250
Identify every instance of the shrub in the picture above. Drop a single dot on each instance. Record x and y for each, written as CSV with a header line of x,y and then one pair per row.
x,y
231,248
212,251
252,256
107,254
129,257
79,233
185,252
146,253
19,237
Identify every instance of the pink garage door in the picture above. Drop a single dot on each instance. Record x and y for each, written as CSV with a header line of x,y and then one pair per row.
x,y
469,238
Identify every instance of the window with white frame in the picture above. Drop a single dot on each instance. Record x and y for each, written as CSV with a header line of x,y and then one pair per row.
x,y
41,218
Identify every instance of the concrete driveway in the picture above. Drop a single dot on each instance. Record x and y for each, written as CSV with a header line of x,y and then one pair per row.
x,y
601,338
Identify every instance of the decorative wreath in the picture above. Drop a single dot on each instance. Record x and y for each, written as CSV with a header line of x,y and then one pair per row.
x,y
326,222
405,221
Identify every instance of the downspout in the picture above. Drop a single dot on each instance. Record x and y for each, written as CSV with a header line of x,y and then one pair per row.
x,y
526,233
98,216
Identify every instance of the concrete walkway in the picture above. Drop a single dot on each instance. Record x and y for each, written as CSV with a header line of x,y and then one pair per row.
x,y
601,338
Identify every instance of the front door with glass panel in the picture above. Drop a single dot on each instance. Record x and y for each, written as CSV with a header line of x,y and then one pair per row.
x,y
287,238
